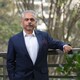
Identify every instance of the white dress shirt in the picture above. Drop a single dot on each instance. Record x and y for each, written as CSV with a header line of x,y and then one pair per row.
x,y
31,45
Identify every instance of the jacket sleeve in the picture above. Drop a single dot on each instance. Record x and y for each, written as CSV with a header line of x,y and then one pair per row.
x,y
10,60
54,44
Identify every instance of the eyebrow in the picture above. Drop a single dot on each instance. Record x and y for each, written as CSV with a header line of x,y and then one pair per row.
x,y
31,19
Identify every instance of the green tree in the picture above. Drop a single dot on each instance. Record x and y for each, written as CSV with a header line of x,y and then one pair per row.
x,y
9,22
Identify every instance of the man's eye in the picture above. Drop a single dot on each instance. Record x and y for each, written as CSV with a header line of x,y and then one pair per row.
x,y
26,19
32,19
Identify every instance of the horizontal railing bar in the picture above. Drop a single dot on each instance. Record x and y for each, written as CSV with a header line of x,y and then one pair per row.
x,y
3,75
62,76
53,51
1,65
57,65
77,49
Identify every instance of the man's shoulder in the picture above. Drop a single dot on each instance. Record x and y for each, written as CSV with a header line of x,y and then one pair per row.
x,y
41,32
15,36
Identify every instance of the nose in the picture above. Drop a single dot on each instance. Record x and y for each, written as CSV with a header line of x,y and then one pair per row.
x,y
29,21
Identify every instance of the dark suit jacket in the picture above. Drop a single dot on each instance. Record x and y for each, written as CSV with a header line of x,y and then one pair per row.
x,y
19,63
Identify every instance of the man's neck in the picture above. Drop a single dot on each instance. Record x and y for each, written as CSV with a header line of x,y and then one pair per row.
x,y
29,32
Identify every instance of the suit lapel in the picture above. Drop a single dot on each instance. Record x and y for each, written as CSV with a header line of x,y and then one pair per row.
x,y
22,43
39,38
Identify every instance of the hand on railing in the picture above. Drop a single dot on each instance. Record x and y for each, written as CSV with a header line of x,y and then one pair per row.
x,y
67,48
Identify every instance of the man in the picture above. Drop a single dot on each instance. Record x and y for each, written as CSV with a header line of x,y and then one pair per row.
x,y
27,51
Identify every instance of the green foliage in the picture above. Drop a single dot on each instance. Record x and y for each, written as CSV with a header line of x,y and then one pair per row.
x,y
2,4
72,65
9,22
7,30
78,23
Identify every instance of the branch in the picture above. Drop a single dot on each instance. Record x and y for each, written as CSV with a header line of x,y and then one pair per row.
x,y
42,11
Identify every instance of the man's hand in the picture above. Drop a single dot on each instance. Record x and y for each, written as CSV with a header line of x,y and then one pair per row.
x,y
67,48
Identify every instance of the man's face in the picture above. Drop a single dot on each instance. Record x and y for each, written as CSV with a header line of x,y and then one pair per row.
x,y
28,22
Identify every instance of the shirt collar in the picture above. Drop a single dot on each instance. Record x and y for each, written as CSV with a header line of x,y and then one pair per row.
x,y
25,34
